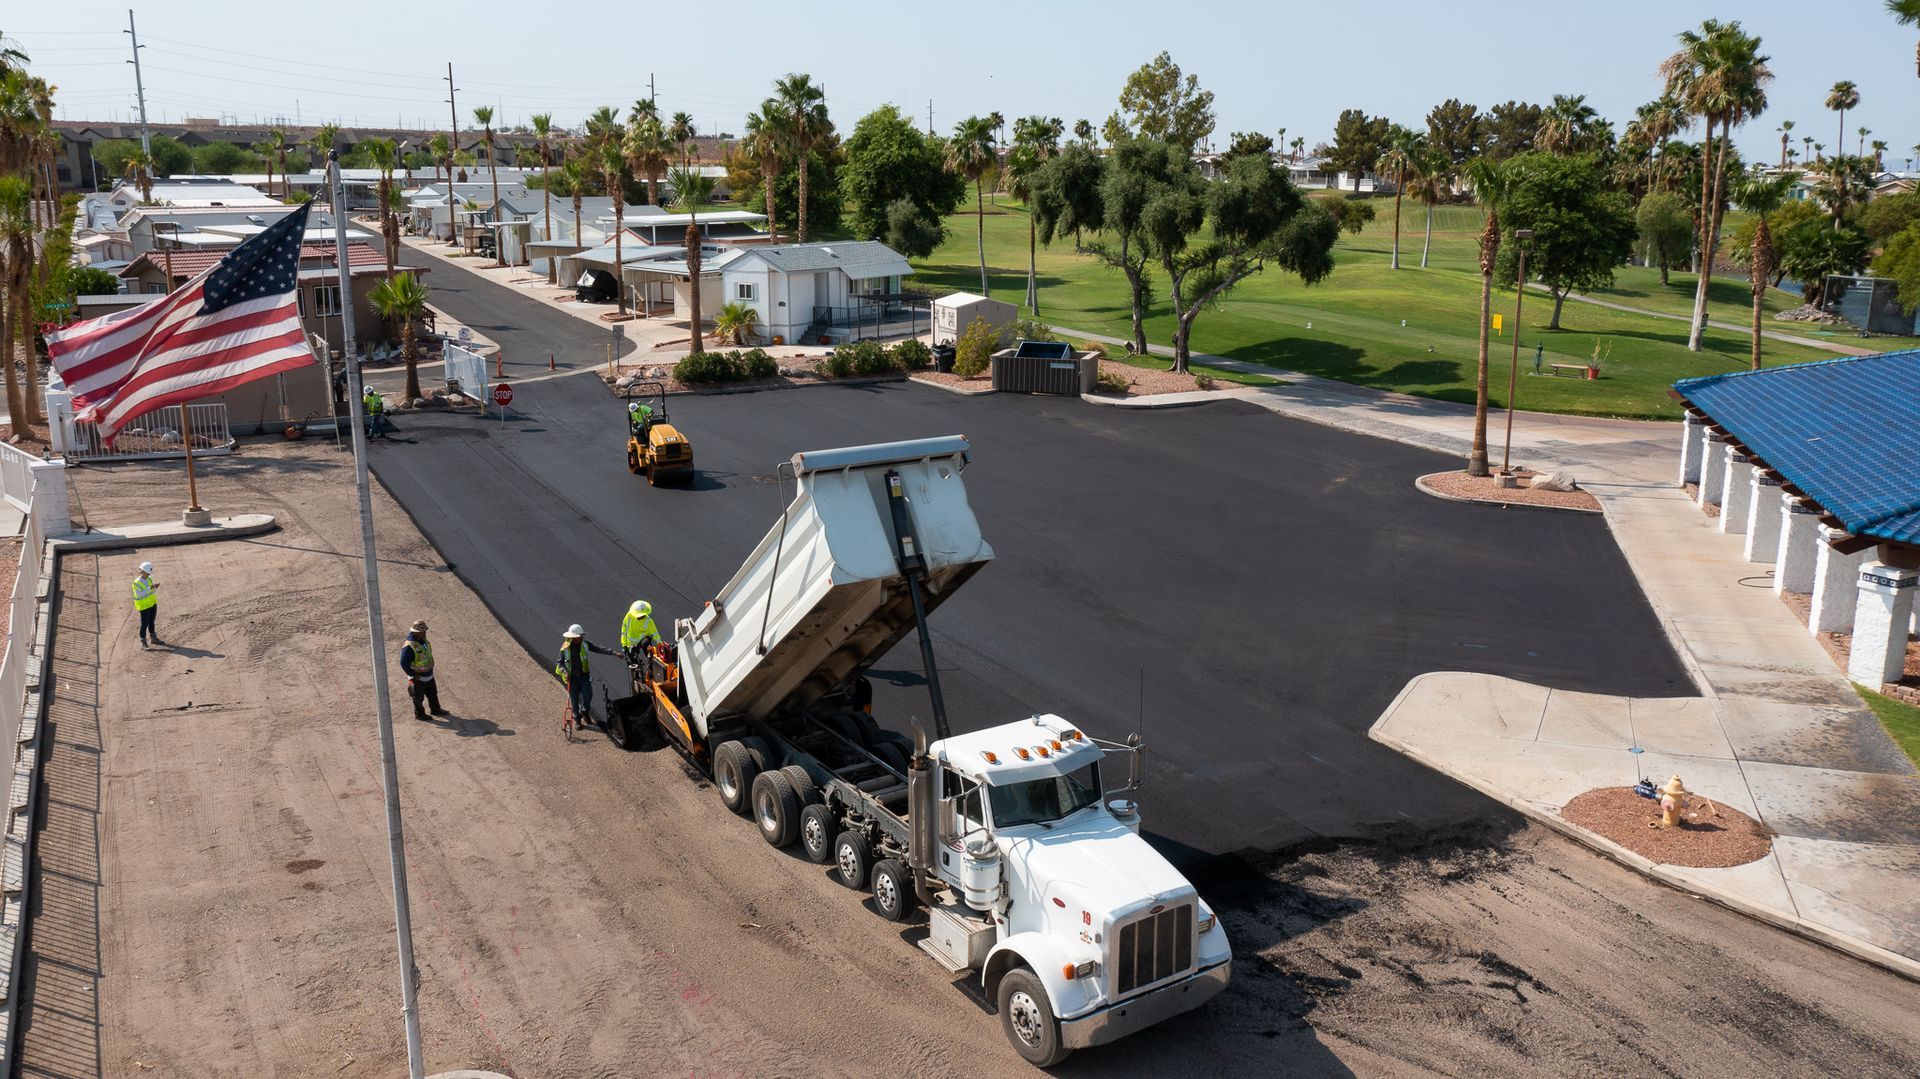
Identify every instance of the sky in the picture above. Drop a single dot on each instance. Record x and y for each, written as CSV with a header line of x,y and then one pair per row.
x,y
1270,65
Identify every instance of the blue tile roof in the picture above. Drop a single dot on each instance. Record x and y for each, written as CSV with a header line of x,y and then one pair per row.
x,y
1845,432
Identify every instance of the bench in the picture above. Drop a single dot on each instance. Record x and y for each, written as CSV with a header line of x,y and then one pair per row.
x,y
1577,370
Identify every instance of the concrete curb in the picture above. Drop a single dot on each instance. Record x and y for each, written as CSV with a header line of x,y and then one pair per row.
x,y
1163,400
1671,876
961,390
163,534
722,391
1421,483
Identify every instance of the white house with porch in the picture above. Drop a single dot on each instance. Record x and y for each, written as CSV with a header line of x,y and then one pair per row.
x,y
795,287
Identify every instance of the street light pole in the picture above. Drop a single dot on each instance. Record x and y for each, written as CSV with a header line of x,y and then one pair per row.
x,y
1513,375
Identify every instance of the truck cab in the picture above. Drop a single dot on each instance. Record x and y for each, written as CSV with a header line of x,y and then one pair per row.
x,y
1054,890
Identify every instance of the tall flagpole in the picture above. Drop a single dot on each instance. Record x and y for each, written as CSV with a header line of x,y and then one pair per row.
x,y
376,634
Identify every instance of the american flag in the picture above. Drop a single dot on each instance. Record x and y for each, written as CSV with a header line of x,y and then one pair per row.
x,y
237,321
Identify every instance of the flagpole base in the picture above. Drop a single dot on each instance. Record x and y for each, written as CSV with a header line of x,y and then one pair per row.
x,y
197,517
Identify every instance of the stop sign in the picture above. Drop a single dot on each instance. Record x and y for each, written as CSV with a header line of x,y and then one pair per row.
x,y
503,395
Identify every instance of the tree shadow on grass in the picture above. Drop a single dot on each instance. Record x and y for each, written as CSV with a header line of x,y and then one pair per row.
x,y
1310,355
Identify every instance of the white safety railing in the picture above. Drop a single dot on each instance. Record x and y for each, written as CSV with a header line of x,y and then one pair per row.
x,y
20,613
152,435
469,369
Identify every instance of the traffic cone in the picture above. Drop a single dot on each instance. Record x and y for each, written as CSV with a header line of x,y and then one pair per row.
x,y
500,364
550,365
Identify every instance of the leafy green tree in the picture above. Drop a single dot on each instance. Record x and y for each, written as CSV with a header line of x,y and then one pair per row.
x,y
824,206
1900,262
1890,215
1509,129
92,281
1791,215
1907,13
1067,196
889,159
1453,129
1761,196
1160,102
1358,141
974,350
1349,215
1582,228
1665,224
1210,236
1134,174
1249,142
223,159
970,153
911,230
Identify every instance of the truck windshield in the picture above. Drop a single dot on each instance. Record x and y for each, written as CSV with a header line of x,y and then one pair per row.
x,y
1042,801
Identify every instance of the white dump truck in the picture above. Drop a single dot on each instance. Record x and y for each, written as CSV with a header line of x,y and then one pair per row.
x,y
1019,840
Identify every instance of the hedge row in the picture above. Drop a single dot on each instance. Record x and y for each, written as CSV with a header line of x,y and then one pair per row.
x,y
713,368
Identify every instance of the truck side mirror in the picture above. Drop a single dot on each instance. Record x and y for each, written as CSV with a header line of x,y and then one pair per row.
x,y
1134,756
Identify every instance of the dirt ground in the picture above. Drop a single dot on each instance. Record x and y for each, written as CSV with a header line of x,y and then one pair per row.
x,y
579,911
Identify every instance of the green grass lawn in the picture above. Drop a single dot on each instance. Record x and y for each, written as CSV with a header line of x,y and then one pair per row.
x,y
1902,720
1410,330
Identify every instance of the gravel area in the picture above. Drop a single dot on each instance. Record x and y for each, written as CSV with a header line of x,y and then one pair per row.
x,y
948,378
799,369
1141,381
1456,484
1703,838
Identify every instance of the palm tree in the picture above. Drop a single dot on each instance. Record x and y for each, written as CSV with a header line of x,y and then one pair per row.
x,y
735,323
11,58
681,132
16,246
140,173
1299,149
1404,150
1491,183
643,109
646,149
1035,139
323,139
766,142
403,299
384,156
1430,181
1860,148
999,123
1719,74
805,104
1569,125
612,164
970,153
483,115
543,145
1083,130
1786,133
439,148
1761,197
1845,182
690,190
574,180
1844,95
1879,154
1907,13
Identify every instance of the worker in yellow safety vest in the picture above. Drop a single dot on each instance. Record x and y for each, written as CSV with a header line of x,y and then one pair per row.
x,y
572,669
376,406
637,627
416,658
147,601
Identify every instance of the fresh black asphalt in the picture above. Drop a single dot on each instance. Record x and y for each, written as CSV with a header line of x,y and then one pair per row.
x,y
1249,591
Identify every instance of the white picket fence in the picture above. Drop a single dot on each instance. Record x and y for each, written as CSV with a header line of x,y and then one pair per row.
x,y
149,436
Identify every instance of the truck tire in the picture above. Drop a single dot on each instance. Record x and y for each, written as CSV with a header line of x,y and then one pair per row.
x,y
893,755
633,460
803,785
892,890
816,833
853,859
733,775
1026,1017
757,749
775,808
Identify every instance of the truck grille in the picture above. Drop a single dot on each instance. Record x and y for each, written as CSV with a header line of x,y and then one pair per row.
x,y
1155,947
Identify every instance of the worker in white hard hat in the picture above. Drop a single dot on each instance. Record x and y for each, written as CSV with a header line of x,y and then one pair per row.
x,y
146,600
416,658
639,417
572,669
637,627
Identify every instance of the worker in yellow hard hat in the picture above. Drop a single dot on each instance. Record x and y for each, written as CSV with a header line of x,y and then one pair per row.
x,y
637,628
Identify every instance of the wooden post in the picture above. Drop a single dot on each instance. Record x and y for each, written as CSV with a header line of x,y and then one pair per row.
x,y
186,443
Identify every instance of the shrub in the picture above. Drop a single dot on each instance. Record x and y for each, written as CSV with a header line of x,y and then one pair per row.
x,y
1109,382
755,363
838,363
1027,329
913,354
974,351
708,368
1204,382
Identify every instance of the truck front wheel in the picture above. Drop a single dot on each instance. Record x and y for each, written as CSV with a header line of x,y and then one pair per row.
x,y
1026,1015
892,890
733,774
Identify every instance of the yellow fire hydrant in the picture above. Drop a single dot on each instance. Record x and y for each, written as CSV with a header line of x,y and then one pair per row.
x,y
1676,799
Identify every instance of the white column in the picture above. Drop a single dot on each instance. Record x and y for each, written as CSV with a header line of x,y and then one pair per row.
x,y
1713,468
1835,582
1763,518
1690,449
1799,546
50,503
1880,624
1735,492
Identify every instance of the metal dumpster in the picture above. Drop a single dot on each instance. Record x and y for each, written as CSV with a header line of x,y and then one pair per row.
x,y
1044,367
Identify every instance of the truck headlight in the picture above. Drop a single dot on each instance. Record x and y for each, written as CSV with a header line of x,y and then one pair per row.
x,y
1207,921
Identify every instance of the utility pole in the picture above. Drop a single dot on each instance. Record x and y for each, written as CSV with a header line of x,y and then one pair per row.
x,y
140,89
376,633
652,95
929,117
453,151
1522,237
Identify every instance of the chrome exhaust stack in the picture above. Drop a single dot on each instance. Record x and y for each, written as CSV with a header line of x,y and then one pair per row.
x,y
922,802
